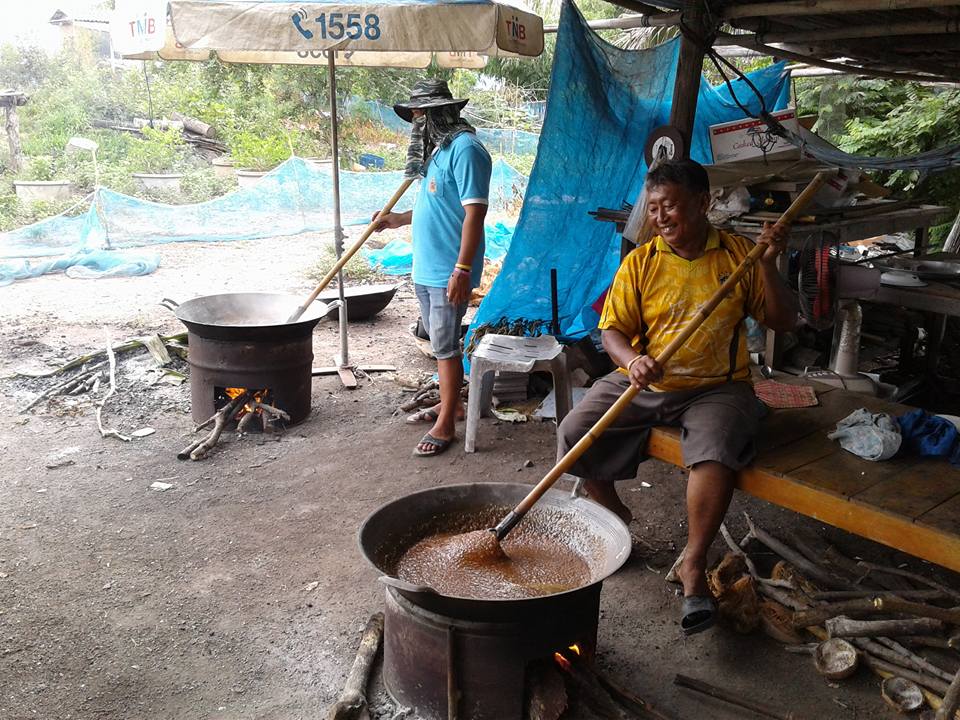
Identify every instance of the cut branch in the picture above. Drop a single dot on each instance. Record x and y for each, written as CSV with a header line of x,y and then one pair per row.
x,y
934,684
913,576
865,593
84,359
914,660
65,386
751,568
951,701
794,558
352,704
845,627
727,696
874,605
198,449
112,432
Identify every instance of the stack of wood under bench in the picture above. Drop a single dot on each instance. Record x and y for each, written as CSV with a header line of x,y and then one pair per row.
x,y
908,503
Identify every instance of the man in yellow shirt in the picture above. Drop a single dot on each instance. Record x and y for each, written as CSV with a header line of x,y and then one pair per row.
x,y
704,387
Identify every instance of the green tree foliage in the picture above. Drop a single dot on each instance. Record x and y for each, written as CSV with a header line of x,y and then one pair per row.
x,y
23,67
883,118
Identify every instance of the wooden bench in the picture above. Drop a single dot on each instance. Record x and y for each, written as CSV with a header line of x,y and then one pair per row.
x,y
910,503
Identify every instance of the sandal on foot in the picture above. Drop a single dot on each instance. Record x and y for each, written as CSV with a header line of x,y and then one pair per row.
x,y
438,446
698,613
427,415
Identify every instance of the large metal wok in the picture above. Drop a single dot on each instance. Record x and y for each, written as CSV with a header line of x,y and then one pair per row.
x,y
598,536
248,316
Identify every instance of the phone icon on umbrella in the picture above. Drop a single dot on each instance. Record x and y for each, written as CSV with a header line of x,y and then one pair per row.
x,y
298,18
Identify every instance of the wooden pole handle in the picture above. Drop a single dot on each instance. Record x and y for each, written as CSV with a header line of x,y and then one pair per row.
x,y
351,251
574,453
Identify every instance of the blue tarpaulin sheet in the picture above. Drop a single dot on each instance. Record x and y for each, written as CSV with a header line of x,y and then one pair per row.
x,y
603,104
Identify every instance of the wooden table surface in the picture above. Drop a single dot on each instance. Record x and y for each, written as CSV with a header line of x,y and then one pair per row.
x,y
909,503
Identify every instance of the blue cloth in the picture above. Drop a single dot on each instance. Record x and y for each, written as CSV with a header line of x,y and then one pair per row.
x,y
930,435
602,106
396,257
457,175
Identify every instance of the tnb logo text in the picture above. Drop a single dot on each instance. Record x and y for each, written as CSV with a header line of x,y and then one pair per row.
x,y
516,29
143,27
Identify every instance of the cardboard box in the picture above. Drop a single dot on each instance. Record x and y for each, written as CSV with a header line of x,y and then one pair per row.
x,y
748,138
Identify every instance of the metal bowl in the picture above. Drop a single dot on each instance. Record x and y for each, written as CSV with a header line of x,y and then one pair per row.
x,y
923,269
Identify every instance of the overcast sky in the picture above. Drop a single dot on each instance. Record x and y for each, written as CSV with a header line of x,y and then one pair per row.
x,y
28,20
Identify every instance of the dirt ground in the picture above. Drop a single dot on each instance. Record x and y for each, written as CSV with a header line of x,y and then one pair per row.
x,y
240,592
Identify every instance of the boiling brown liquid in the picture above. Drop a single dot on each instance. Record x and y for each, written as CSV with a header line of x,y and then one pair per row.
x,y
476,565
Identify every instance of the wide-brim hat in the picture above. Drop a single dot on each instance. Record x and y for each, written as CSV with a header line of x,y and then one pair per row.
x,y
427,94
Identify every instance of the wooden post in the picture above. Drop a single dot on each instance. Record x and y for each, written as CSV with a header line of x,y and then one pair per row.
x,y
689,69
13,137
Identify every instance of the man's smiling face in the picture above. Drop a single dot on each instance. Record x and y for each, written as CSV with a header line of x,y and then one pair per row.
x,y
678,215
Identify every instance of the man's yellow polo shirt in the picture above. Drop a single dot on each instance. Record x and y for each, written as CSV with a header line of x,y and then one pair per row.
x,y
656,293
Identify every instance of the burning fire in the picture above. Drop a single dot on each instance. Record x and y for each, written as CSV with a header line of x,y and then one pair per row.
x,y
256,396
562,660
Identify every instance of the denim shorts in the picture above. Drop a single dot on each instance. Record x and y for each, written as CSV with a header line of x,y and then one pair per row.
x,y
441,320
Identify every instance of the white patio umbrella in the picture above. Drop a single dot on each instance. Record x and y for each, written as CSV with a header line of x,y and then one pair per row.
x,y
388,33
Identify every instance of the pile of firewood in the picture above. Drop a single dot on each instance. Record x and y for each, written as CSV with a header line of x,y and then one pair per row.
x,y
898,624
249,409
424,394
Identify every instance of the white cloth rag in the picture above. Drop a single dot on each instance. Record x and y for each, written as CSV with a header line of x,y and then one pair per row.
x,y
872,436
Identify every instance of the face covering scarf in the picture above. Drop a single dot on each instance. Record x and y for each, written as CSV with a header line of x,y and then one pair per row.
x,y
435,129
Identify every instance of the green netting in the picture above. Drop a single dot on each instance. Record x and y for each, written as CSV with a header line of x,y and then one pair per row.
x,y
294,198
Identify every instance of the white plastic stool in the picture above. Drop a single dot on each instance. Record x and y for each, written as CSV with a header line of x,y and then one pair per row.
x,y
513,354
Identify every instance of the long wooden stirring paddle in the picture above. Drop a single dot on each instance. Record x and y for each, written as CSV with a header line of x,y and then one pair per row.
x,y
350,251
574,453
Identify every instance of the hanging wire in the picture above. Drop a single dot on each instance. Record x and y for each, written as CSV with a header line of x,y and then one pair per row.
x,y
929,161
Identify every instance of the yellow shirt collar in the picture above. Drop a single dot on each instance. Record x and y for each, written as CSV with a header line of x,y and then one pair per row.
x,y
713,241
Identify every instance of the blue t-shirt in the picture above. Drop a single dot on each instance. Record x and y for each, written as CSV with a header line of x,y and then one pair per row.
x,y
457,175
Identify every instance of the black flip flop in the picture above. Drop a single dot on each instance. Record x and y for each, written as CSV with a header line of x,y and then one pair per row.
x,y
440,446
698,613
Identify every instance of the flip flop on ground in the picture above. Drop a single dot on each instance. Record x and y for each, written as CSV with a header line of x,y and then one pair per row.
x,y
436,445
698,613
427,415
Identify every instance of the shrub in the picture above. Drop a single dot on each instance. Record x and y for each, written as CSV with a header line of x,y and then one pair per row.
x,y
160,151
253,151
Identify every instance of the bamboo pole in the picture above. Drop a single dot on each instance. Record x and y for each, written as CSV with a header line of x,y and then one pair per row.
x,y
745,41
824,7
849,32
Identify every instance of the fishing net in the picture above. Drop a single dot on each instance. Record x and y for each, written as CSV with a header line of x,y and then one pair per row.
x,y
294,198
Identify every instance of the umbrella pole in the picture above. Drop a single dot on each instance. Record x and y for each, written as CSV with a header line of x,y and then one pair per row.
x,y
343,361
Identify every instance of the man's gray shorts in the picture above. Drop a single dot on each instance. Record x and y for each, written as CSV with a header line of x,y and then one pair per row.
x,y
719,424
441,319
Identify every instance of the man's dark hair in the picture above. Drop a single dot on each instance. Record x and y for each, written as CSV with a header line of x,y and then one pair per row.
x,y
688,174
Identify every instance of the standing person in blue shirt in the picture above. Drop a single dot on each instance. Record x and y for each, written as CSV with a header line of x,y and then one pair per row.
x,y
448,246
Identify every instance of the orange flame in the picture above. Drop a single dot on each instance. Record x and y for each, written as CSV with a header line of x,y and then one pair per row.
x,y
561,661
575,648
256,395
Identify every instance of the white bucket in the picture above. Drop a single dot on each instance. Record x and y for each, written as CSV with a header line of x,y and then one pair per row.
x,y
32,190
223,168
249,178
158,181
